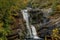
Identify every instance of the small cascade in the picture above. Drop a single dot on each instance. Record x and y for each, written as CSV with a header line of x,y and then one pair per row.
x,y
34,32
26,16
31,29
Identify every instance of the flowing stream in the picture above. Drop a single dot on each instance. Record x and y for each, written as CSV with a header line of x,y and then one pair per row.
x,y
26,16
34,32
31,29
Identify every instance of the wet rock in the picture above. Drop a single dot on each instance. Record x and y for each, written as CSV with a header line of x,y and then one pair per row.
x,y
35,16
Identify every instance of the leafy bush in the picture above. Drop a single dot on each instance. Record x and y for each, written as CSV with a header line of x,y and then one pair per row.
x,y
6,6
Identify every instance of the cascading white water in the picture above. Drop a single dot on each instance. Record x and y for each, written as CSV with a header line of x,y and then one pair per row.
x,y
34,32
31,30
26,16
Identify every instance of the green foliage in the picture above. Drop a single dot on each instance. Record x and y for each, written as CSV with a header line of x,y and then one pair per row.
x,y
54,6
1,34
6,6
44,3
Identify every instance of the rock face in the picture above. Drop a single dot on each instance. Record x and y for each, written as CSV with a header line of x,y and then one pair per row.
x,y
36,17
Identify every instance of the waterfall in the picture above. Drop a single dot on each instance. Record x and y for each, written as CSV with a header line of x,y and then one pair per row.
x,y
26,18
34,32
31,29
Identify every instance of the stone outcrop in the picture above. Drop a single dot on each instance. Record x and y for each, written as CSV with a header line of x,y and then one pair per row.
x,y
37,18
